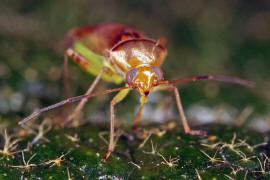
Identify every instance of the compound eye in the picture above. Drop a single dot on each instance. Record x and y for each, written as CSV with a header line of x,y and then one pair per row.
x,y
158,72
130,76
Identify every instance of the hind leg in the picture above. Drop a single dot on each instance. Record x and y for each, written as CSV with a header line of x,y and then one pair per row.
x,y
77,58
81,104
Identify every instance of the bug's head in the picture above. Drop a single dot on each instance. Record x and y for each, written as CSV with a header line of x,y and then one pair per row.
x,y
144,78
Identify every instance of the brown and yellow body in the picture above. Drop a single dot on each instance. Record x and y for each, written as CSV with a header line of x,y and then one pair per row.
x,y
125,48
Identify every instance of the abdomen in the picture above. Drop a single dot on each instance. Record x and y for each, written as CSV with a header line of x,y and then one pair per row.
x,y
102,37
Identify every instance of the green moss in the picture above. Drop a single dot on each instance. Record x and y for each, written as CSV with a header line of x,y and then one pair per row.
x,y
82,158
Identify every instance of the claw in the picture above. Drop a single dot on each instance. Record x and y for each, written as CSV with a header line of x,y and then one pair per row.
x,y
104,159
197,132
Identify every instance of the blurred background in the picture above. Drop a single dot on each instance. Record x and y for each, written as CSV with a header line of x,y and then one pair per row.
x,y
204,37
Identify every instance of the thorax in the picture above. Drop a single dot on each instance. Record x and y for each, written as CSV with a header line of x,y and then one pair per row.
x,y
136,52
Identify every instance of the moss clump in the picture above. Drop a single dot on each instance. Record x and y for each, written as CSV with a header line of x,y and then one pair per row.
x,y
227,152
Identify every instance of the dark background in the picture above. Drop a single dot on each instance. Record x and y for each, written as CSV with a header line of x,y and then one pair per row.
x,y
204,37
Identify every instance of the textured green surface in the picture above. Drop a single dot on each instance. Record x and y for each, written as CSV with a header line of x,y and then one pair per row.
x,y
82,158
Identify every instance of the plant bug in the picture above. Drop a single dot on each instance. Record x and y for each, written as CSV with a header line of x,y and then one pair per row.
x,y
117,53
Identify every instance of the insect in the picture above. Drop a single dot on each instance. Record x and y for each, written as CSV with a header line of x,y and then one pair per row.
x,y
119,53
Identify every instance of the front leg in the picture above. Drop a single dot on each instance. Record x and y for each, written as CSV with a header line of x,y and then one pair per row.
x,y
182,114
139,113
117,98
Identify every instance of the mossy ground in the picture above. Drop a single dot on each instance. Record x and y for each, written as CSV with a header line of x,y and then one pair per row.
x,y
167,154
